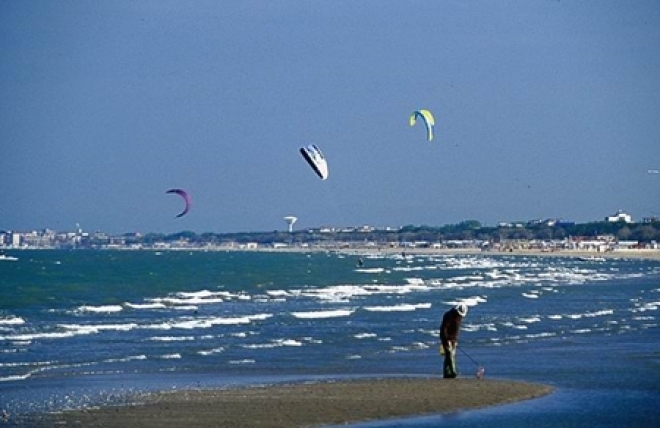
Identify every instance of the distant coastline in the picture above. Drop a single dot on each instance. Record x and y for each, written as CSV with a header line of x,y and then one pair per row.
x,y
633,253
652,254
616,237
366,250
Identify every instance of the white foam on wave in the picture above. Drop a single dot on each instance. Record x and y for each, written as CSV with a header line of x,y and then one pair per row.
x,y
170,356
581,331
189,300
243,361
335,294
599,313
512,273
126,359
212,351
398,308
71,330
477,327
27,337
470,301
407,268
412,347
203,294
643,318
82,329
539,335
145,305
289,342
364,335
323,314
213,321
650,306
590,314
530,320
174,301
26,364
279,293
469,278
12,320
14,378
189,308
312,340
275,343
371,270
171,338
461,263
515,326
497,274
100,309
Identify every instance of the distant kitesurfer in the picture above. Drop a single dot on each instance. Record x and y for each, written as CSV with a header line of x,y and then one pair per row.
x,y
360,262
449,329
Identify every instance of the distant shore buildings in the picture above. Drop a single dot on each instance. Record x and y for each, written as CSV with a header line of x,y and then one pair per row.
x,y
619,216
506,235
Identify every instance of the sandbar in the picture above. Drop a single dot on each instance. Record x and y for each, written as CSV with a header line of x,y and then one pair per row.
x,y
306,404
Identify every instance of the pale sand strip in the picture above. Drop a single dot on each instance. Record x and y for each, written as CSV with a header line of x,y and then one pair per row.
x,y
619,254
309,404
651,254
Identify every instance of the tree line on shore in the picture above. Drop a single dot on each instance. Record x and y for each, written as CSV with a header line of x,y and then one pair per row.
x,y
466,230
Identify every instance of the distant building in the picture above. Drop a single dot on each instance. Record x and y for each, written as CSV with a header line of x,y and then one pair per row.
x,y
619,216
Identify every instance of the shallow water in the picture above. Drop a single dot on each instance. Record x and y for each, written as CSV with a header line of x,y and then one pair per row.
x,y
92,327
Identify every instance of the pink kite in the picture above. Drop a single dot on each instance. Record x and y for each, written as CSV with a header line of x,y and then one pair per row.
x,y
185,197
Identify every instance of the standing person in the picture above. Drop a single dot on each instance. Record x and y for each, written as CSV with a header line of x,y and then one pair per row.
x,y
449,329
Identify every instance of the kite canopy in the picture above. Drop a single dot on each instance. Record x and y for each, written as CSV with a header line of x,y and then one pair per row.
x,y
316,160
185,197
428,119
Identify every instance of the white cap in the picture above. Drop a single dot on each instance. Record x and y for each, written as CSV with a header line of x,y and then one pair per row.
x,y
462,309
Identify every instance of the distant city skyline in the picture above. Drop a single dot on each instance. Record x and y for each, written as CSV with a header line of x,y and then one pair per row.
x,y
543,109
290,221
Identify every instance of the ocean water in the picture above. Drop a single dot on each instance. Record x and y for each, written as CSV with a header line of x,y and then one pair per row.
x,y
86,328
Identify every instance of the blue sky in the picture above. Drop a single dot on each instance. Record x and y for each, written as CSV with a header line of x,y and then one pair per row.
x,y
543,109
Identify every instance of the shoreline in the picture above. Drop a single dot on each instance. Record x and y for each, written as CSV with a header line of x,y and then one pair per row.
x,y
307,404
647,254
365,251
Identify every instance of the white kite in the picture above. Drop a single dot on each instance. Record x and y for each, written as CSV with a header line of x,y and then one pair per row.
x,y
316,160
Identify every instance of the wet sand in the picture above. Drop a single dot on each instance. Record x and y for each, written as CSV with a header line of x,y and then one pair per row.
x,y
307,404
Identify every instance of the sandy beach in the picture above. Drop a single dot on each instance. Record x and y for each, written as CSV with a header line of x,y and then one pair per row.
x,y
622,254
308,404
650,254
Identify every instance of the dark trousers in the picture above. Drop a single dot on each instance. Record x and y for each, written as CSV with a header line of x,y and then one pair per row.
x,y
449,366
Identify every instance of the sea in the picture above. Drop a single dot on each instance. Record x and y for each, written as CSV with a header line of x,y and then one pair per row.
x,y
87,328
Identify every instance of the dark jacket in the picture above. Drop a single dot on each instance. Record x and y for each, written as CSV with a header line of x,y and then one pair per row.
x,y
451,324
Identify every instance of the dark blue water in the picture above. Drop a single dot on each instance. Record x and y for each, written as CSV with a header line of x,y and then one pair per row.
x,y
93,327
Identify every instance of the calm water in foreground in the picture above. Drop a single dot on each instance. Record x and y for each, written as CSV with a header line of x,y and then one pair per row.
x,y
85,328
